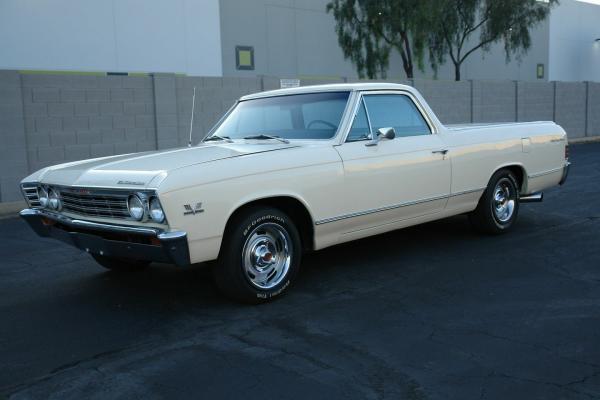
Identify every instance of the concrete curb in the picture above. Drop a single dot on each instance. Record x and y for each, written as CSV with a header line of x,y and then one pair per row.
x,y
591,139
10,209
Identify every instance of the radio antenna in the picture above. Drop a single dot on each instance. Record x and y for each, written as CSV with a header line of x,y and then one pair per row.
x,y
192,119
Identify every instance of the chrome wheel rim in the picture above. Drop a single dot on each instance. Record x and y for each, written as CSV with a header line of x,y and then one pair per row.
x,y
267,255
503,201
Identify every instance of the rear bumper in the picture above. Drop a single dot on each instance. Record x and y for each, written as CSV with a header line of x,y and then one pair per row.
x,y
565,173
136,243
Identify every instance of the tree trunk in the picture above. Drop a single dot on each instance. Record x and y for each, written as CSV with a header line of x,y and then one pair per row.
x,y
408,49
457,71
406,62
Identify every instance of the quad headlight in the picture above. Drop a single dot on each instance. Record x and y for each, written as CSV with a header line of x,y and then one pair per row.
x,y
136,207
42,197
54,202
156,212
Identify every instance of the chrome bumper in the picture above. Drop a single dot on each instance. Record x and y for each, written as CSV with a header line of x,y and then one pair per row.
x,y
136,243
565,173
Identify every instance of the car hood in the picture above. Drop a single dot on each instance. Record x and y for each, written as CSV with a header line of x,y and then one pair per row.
x,y
144,170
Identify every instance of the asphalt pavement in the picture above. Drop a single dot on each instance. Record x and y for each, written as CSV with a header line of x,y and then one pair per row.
x,y
430,312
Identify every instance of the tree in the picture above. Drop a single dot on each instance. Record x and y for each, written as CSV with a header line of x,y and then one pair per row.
x,y
455,24
368,30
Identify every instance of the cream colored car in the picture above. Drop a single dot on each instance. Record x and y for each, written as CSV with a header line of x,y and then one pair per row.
x,y
294,170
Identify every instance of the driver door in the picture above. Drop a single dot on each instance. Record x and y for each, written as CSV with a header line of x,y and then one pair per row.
x,y
390,181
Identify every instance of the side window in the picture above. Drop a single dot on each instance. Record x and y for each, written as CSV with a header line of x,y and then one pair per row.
x,y
360,126
395,111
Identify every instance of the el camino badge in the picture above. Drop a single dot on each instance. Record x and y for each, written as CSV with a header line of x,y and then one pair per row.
x,y
189,210
131,183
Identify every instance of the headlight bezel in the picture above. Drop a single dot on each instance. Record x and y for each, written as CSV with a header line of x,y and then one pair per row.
x,y
43,198
54,200
155,210
142,207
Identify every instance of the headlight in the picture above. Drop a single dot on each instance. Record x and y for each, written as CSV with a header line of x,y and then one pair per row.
x,y
43,197
54,200
156,212
136,207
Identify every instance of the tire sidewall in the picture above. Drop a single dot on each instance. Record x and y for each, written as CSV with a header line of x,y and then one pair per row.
x,y
232,259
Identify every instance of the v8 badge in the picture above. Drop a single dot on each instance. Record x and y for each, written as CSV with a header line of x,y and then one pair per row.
x,y
189,210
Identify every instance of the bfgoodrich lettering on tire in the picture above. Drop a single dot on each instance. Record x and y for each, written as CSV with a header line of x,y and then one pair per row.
x,y
498,207
259,257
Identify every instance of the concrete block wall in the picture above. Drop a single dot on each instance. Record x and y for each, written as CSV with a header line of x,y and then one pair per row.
x,y
214,97
72,117
535,101
494,101
570,107
593,109
13,142
450,100
47,119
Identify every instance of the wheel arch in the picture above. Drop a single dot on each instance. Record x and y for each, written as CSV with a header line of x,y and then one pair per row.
x,y
518,170
291,205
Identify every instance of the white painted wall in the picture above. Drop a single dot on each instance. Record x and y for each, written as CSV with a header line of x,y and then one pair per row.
x,y
574,54
181,36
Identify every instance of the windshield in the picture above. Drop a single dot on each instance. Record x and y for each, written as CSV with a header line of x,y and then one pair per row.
x,y
301,116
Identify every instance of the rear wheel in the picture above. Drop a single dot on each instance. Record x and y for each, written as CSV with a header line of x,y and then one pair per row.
x,y
498,207
260,256
120,264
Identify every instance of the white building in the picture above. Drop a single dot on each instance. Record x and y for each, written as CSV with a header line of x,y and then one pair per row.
x,y
288,38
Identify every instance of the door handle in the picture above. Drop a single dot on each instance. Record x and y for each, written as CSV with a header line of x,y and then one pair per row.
x,y
443,152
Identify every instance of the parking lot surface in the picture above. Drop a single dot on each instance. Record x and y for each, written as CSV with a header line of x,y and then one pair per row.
x,y
430,312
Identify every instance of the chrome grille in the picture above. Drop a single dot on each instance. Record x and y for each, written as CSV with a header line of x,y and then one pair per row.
x,y
31,195
95,203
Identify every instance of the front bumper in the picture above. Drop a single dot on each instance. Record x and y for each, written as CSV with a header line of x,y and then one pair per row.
x,y
119,241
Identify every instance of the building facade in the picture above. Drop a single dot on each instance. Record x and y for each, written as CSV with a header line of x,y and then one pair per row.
x,y
294,38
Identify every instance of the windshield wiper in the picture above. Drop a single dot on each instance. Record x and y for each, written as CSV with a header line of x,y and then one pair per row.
x,y
217,137
265,137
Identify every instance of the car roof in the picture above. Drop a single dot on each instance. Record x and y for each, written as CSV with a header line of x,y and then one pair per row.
x,y
341,87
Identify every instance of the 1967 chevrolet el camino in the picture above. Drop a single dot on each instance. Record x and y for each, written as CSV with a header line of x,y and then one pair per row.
x,y
294,170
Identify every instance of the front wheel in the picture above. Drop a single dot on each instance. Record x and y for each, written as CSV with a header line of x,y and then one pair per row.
x,y
260,256
498,207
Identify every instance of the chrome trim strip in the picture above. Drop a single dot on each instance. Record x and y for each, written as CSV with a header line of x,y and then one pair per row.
x,y
467,192
363,104
400,92
551,171
393,207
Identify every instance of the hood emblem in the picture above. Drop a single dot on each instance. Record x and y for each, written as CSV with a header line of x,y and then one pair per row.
x,y
189,210
131,183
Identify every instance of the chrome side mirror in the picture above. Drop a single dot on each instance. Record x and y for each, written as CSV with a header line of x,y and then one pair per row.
x,y
382,133
386,133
